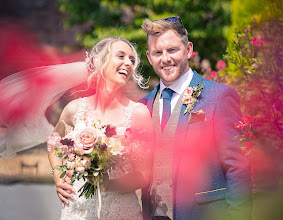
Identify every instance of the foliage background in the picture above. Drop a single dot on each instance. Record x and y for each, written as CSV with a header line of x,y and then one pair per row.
x,y
207,22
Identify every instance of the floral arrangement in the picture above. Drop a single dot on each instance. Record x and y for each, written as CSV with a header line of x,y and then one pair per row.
x,y
191,95
93,149
87,152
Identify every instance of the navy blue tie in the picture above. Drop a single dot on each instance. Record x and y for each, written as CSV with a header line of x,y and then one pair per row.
x,y
166,96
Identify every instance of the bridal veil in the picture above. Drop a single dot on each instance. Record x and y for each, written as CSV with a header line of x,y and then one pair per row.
x,y
25,96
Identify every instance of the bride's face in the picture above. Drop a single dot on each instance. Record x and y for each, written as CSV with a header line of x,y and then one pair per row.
x,y
120,66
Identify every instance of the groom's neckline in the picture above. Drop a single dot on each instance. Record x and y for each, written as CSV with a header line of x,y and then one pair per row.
x,y
180,85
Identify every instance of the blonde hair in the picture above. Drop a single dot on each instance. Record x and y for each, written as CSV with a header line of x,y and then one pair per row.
x,y
97,59
158,27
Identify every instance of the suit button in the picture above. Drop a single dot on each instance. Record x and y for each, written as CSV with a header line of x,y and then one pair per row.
x,y
158,164
158,182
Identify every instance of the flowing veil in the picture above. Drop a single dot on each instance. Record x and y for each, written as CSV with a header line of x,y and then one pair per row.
x,y
25,96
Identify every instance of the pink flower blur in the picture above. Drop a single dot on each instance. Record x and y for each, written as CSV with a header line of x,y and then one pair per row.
x,y
213,73
221,65
258,40
194,54
249,145
248,134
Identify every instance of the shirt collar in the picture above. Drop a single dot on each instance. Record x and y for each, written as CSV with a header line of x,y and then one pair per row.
x,y
180,85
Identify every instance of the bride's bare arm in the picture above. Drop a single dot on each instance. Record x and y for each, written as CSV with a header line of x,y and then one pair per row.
x,y
140,177
63,185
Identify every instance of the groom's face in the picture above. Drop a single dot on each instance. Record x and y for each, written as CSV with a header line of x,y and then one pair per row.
x,y
169,56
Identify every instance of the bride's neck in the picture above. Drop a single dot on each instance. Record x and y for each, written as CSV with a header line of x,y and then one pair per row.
x,y
105,100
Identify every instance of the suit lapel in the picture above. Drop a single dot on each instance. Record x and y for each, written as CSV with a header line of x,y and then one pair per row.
x,y
151,98
184,119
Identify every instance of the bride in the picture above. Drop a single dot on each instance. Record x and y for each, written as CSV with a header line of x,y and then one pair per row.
x,y
108,68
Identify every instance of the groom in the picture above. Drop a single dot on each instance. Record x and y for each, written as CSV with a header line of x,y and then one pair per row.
x,y
199,171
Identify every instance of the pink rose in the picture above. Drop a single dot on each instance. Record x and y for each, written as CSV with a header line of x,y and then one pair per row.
x,y
85,140
187,99
189,91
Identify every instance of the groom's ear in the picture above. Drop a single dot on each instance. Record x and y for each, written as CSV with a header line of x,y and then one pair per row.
x,y
190,49
148,56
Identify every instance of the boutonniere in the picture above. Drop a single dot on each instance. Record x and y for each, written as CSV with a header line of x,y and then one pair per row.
x,y
191,95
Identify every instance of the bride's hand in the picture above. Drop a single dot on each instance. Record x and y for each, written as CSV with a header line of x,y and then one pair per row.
x,y
63,187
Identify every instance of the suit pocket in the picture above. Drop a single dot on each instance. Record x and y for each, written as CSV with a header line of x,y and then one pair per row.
x,y
212,195
200,124
196,133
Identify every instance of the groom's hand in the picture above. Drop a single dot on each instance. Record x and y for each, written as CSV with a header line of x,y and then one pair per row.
x,y
63,187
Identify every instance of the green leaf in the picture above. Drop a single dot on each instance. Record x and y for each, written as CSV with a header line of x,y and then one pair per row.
x,y
73,180
63,174
58,167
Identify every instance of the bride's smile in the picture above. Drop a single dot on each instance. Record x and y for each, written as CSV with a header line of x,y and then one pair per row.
x,y
120,65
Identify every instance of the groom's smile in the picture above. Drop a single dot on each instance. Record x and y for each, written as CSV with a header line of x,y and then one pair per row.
x,y
169,58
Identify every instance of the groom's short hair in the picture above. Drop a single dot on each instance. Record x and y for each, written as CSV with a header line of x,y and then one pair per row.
x,y
158,27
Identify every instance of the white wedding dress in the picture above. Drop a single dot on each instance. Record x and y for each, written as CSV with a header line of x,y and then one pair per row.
x,y
118,206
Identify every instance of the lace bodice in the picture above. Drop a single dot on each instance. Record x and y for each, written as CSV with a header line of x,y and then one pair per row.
x,y
116,206
82,118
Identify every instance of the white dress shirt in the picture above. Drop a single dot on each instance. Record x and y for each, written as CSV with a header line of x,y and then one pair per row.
x,y
178,87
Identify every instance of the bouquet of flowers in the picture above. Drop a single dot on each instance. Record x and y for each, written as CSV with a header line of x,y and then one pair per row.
x,y
87,152
92,150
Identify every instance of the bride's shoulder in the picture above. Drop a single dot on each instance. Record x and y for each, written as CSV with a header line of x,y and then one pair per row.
x,y
141,118
69,112
72,107
140,110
